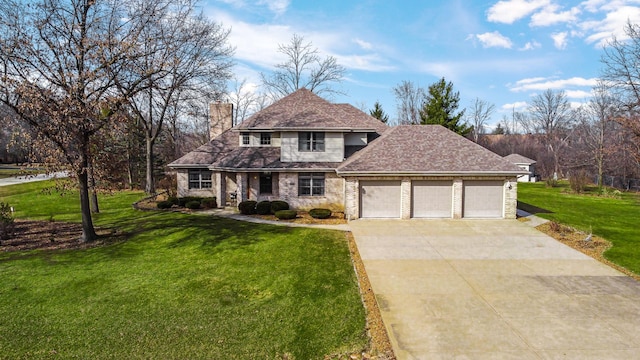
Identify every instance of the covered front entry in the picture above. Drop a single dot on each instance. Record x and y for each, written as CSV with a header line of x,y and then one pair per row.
x,y
380,199
483,199
431,199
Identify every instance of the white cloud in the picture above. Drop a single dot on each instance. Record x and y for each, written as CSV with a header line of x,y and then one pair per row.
x,y
539,83
612,25
560,40
550,16
368,62
578,94
515,106
509,11
277,6
363,44
531,45
494,39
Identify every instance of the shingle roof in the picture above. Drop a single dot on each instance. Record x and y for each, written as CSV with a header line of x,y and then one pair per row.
x,y
427,150
208,153
264,158
306,110
519,159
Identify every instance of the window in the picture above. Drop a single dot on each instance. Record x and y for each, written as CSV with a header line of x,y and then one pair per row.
x,y
311,184
266,185
310,141
265,138
199,179
246,140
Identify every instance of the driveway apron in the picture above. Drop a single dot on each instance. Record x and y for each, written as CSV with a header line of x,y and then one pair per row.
x,y
495,289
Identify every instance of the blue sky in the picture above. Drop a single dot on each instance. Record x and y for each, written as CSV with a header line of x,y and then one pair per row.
x,y
503,52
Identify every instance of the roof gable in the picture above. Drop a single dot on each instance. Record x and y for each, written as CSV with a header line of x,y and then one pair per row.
x,y
303,109
426,149
519,159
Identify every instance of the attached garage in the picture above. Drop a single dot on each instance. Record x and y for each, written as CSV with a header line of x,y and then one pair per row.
x,y
431,199
380,199
483,199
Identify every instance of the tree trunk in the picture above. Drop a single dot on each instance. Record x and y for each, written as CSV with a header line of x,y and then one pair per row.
x,y
88,232
150,185
94,195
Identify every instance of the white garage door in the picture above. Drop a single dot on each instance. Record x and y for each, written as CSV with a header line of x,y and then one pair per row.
x,y
380,199
483,199
431,199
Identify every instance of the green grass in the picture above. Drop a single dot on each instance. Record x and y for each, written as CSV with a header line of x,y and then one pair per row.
x,y
177,286
615,219
11,171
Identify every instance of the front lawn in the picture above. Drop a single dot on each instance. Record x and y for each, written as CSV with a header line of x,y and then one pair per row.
x,y
177,286
613,218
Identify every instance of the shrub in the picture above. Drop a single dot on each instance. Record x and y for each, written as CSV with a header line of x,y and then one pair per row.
x,y
182,202
319,213
165,204
209,203
278,205
168,183
263,208
286,214
247,207
551,182
7,223
578,181
173,200
193,205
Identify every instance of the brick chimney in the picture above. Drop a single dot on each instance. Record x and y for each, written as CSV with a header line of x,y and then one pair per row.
x,y
220,118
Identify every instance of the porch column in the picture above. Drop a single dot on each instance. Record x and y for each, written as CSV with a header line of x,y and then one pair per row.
x,y
457,198
221,189
242,179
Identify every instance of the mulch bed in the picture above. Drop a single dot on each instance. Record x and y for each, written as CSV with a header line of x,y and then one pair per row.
x,y
49,235
336,218
594,248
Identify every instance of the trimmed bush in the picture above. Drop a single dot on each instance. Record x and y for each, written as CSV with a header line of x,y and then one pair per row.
x,y
247,207
286,214
263,208
278,205
182,202
209,203
165,204
320,213
173,200
193,205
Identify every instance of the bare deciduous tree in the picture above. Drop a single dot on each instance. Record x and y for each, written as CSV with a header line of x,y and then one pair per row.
x,y
549,116
188,56
60,59
622,73
479,113
303,68
409,100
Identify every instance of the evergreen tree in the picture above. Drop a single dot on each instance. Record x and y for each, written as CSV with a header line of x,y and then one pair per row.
x,y
378,113
440,108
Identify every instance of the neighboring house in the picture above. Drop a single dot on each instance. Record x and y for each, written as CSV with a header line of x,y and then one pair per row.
x,y
525,164
312,153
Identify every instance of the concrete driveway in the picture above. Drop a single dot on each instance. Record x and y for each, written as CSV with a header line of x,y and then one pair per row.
x,y
495,289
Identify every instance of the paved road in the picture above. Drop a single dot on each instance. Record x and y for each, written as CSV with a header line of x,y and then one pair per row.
x,y
30,178
495,289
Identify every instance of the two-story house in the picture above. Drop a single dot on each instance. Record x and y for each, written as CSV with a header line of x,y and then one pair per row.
x,y
312,153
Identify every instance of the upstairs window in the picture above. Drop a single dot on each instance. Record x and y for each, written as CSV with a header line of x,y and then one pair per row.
x,y
310,141
246,140
199,179
265,138
311,184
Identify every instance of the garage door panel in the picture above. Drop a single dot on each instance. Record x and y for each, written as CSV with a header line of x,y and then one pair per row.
x,y
431,199
380,199
483,199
